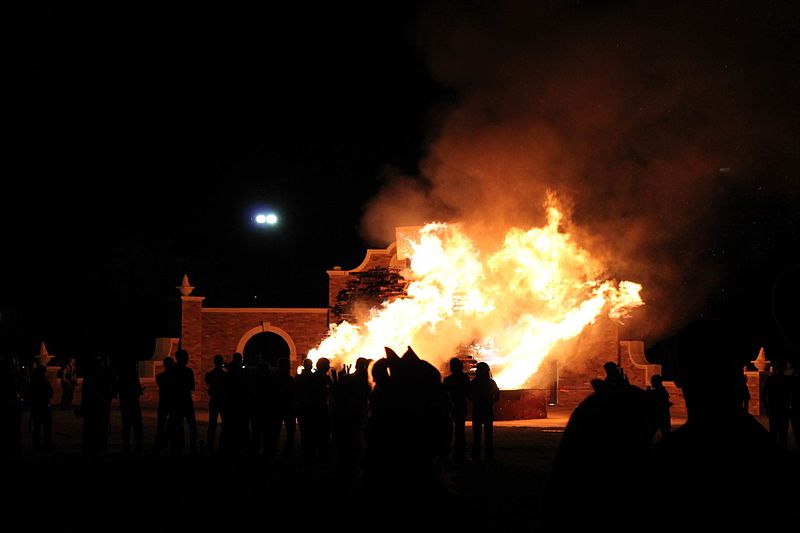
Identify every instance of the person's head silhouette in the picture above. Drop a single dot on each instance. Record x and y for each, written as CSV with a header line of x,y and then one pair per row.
x,y
182,357
323,365
482,371
706,366
456,366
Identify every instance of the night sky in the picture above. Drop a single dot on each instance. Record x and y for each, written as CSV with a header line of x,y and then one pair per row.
x,y
139,143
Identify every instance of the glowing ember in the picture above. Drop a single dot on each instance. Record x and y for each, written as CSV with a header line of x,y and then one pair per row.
x,y
538,289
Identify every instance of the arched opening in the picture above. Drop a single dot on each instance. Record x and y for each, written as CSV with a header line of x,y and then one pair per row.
x,y
266,346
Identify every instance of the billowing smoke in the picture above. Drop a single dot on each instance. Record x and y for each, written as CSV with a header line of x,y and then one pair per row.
x,y
650,121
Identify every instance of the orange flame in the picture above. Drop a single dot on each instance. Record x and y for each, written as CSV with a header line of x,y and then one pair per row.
x,y
538,289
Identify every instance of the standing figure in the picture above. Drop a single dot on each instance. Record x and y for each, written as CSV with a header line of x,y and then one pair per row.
x,y
659,405
280,411
183,408
321,395
234,421
10,408
166,400
215,381
69,381
129,391
39,393
96,394
484,393
304,385
457,385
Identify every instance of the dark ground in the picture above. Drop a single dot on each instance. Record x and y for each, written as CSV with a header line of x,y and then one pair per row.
x,y
126,492
64,491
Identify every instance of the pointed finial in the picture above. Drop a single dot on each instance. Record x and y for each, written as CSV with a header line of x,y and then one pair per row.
x,y
44,357
185,288
761,362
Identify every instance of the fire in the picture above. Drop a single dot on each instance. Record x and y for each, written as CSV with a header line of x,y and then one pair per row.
x,y
540,288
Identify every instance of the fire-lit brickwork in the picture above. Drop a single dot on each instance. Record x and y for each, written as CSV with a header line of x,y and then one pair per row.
x,y
206,331
565,378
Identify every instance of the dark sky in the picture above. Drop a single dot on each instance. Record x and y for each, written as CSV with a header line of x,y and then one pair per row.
x,y
141,141
138,143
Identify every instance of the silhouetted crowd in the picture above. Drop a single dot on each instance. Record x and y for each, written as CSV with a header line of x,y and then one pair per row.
x,y
391,422
389,425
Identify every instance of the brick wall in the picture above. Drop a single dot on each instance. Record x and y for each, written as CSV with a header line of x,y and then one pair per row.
x,y
222,331
581,359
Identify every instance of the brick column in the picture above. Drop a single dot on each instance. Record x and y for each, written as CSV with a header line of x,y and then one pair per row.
x,y
755,384
192,334
337,280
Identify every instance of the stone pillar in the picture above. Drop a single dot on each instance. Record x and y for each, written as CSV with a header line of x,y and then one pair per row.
x,y
755,384
192,330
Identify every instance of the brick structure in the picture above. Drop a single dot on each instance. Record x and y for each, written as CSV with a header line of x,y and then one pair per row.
x,y
569,370
207,331
565,378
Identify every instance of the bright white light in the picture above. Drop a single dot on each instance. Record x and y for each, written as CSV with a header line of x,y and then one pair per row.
x,y
266,218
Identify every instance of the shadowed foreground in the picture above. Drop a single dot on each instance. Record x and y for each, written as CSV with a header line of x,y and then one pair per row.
x,y
64,490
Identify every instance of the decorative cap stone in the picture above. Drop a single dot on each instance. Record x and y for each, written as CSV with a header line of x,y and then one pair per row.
x,y
185,287
761,362
44,356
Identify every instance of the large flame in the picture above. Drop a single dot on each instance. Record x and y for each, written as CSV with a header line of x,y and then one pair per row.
x,y
513,307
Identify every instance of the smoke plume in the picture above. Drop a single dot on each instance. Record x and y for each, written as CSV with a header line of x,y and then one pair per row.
x,y
649,121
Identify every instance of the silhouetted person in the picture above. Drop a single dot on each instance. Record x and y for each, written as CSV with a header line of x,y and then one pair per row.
x,y
604,460
614,375
39,394
321,398
484,393
383,407
10,408
166,401
350,396
183,408
215,381
457,386
408,410
259,408
96,394
721,461
68,375
129,391
234,418
253,423
778,400
660,404
304,394
280,411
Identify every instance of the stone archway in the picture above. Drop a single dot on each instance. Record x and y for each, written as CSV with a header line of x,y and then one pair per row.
x,y
266,347
268,328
